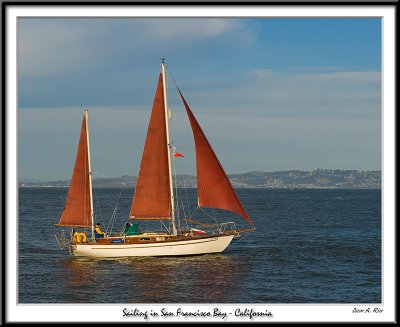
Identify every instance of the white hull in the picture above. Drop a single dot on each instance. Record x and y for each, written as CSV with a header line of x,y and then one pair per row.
x,y
195,246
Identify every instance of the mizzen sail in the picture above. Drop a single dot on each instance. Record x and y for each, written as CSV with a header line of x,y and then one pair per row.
x,y
152,198
213,186
78,207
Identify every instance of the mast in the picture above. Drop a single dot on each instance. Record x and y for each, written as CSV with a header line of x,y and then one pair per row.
x,y
171,184
90,173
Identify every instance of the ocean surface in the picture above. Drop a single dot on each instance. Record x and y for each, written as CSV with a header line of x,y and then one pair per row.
x,y
310,246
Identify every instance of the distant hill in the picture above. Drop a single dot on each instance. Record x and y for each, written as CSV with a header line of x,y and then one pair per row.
x,y
319,178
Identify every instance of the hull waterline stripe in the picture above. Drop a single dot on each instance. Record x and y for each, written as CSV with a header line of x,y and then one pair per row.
x,y
115,247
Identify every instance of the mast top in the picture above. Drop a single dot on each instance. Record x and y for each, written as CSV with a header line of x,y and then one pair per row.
x,y
163,63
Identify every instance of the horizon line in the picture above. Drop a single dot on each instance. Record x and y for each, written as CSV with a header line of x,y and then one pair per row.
x,y
30,179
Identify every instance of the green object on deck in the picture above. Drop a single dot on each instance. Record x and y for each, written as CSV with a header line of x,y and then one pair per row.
x,y
131,229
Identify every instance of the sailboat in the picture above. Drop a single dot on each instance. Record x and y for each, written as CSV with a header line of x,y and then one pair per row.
x,y
153,197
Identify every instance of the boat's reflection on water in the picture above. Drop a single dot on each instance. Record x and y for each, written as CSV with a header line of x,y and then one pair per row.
x,y
211,278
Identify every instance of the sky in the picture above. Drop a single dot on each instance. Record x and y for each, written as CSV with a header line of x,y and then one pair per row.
x,y
271,94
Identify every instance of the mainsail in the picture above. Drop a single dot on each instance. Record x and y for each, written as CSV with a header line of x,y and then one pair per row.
x,y
152,198
78,206
213,186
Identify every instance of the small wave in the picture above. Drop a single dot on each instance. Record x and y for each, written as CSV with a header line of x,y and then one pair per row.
x,y
37,250
316,274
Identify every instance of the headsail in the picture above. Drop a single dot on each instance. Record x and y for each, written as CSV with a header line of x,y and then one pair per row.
x,y
78,206
152,199
214,188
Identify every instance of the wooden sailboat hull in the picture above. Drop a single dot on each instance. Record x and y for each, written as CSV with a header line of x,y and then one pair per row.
x,y
193,246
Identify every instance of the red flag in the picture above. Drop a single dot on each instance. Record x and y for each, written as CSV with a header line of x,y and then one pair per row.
x,y
178,154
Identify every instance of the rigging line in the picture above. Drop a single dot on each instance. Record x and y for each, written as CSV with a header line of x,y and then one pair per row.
x,y
213,218
176,84
179,198
187,200
200,223
172,76
175,195
98,206
213,212
175,219
247,234
187,203
165,226
197,207
188,206
113,215
184,212
176,192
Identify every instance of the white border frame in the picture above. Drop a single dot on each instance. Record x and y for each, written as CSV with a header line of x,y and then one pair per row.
x,y
281,313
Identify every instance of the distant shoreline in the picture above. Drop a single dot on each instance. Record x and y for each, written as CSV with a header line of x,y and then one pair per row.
x,y
237,188
292,179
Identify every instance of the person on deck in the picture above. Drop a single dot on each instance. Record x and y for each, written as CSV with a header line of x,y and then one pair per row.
x,y
98,233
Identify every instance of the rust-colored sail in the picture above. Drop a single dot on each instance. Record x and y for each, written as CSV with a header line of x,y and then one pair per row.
x,y
152,199
213,186
77,211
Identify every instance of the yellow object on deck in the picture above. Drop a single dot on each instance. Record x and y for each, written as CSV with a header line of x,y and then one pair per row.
x,y
80,237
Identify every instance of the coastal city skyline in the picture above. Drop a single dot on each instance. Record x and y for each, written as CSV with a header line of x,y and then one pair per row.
x,y
294,179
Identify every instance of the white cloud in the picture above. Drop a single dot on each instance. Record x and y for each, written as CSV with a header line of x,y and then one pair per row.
x,y
54,46
49,137
265,93
329,68
183,30
262,73
51,47
340,78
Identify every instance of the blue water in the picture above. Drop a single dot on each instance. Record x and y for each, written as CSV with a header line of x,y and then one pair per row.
x,y
310,246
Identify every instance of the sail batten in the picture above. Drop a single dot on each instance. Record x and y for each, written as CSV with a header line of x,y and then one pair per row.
x,y
152,192
213,185
78,206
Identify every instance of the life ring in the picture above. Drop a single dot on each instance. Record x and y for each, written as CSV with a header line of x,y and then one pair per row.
x,y
80,238
84,238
